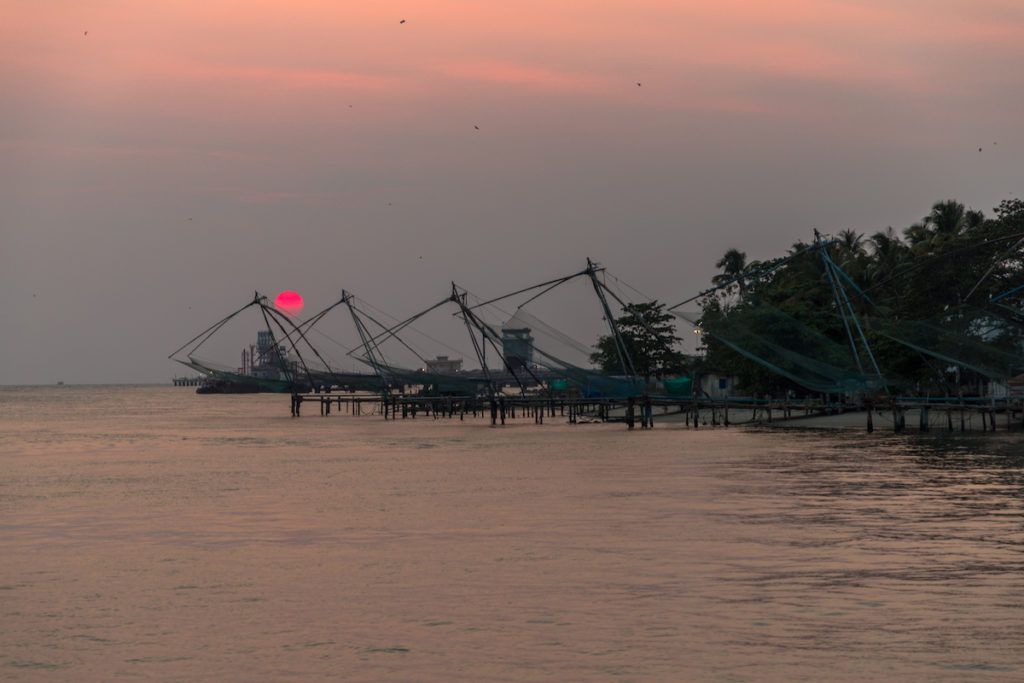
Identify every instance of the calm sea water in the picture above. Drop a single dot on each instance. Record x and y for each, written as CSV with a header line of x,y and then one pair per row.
x,y
153,534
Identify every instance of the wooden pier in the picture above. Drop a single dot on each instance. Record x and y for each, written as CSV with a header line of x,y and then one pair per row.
x,y
931,414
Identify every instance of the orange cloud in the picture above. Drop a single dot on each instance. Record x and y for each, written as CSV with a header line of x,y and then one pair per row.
x,y
510,73
227,59
278,76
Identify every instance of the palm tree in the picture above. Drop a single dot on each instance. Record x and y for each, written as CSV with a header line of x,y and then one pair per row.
x,y
732,264
946,218
888,251
883,243
850,241
973,219
917,234
850,250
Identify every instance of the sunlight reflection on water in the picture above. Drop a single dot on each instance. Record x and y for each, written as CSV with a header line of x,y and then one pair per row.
x,y
154,533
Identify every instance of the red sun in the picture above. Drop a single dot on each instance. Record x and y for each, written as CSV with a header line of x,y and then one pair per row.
x,y
290,302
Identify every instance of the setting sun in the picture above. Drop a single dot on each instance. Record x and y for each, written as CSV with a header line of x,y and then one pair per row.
x,y
290,302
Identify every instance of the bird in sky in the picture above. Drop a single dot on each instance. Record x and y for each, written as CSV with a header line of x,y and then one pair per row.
x,y
639,84
979,149
402,21
477,127
86,33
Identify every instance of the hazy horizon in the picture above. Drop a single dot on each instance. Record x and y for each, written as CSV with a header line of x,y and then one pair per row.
x,y
157,169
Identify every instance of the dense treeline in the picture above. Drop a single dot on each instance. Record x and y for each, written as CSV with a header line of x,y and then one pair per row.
x,y
953,260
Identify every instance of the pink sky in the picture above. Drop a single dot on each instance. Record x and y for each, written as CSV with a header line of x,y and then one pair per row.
x,y
288,126
140,56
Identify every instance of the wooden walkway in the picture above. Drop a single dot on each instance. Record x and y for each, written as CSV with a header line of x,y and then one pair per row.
x,y
947,414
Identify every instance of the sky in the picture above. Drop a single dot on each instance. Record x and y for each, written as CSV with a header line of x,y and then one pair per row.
x,y
160,161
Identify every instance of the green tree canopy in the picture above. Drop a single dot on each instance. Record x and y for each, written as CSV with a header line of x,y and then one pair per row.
x,y
649,335
953,260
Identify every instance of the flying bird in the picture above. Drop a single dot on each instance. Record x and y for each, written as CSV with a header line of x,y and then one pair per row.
x,y
979,149
477,127
402,21
639,84
86,33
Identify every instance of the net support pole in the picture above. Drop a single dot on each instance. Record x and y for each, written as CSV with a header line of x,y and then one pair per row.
x,y
620,345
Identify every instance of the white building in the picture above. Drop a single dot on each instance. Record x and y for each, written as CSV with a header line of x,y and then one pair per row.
x,y
443,365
